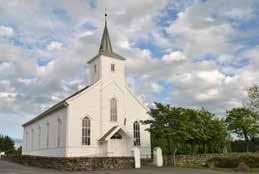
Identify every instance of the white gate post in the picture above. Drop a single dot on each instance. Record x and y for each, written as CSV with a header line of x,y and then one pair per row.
x,y
136,153
158,157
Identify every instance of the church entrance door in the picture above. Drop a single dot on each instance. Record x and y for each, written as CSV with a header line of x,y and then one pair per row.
x,y
118,145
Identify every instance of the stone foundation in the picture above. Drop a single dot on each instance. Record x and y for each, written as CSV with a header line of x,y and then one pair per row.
x,y
76,163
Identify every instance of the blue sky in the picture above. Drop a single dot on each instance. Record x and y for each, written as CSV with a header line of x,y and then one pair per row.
x,y
191,53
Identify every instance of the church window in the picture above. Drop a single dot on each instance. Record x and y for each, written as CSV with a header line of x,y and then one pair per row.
x,y
113,109
47,137
112,67
136,132
116,136
58,132
95,68
27,140
32,138
39,136
86,125
125,121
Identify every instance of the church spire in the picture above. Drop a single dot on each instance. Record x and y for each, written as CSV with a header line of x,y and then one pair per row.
x,y
105,47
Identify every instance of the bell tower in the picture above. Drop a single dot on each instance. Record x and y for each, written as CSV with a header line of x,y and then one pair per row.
x,y
106,65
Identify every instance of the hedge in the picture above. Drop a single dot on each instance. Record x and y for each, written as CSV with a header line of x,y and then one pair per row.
x,y
232,162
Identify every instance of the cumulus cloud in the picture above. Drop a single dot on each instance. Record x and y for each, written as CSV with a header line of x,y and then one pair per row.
x,y
53,46
6,31
173,57
189,54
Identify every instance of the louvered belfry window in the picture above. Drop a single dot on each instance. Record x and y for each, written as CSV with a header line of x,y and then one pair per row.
x,y
86,128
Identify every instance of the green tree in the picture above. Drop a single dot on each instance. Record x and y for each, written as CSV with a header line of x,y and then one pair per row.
x,y
217,136
196,130
6,145
253,95
171,124
243,122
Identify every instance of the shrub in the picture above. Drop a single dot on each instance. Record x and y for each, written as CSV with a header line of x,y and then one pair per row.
x,y
233,162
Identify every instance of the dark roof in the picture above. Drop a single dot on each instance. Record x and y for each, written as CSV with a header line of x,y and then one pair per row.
x,y
108,133
59,105
106,46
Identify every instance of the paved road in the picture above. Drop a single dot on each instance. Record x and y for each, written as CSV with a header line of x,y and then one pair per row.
x,y
13,168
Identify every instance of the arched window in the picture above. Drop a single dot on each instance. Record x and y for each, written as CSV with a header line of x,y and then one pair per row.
x,y
113,109
86,128
47,137
58,132
39,137
136,132
116,136
32,138
27,140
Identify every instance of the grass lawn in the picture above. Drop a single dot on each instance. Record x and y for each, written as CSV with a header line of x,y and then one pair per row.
x,y
234,170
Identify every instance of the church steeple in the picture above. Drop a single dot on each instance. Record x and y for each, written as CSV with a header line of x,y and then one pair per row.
x,y
105,47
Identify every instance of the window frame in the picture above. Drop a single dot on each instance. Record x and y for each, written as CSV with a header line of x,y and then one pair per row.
x,y
59,132
39,137
117,136
112,67
86,131
47,136
95,68
113,110
32,139
136,133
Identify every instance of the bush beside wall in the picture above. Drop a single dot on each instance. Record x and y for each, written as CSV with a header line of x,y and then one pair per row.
x,y
232,162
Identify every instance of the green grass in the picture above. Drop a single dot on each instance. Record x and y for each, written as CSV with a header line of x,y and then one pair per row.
x,y
204,166
234,170
192,165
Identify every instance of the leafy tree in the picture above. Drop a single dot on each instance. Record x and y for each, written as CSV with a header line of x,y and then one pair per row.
x,y
195,129
243,122
217,136
253,95
6,145
171,124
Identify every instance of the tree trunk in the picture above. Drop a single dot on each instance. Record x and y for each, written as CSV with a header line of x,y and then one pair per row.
x,y
174,149
193,148
204,148
246,142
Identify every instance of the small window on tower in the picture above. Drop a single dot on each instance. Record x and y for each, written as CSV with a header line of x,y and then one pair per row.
x,y
112,67
94,68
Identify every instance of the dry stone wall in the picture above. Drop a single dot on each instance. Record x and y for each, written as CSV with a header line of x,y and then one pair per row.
x,y
72,164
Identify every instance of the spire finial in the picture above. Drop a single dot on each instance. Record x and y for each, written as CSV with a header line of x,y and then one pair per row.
x,y
105,10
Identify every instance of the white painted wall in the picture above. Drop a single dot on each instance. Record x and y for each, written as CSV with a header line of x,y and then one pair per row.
x,y
94,103
86,104
36,144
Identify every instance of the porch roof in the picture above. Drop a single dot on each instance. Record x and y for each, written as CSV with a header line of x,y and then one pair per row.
x,y
111,132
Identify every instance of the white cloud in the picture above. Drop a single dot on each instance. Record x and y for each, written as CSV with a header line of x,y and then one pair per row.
x,y
6,31
4,66
200,28
55,45
173,57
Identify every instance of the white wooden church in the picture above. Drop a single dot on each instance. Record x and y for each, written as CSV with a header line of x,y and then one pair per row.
x,y
102,119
